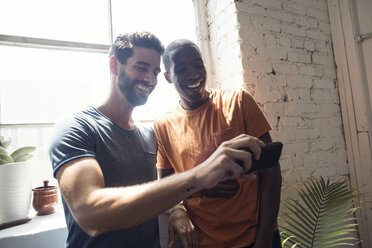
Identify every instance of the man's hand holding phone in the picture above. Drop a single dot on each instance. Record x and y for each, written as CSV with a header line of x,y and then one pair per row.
x,y
269,157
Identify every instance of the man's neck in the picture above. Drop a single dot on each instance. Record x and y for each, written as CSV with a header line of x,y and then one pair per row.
x,y
118,110
195,105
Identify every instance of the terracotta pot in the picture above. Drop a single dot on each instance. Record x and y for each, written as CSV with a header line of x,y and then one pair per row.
x,y
45,199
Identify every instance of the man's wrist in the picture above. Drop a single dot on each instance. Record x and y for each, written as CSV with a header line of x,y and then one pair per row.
x,y
179,206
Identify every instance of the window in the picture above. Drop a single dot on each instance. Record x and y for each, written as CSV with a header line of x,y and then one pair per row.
x,y
54,53
68,20
54,60
38,85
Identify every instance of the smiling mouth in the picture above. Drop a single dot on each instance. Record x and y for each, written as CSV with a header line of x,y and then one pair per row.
x,y
144,88
194,86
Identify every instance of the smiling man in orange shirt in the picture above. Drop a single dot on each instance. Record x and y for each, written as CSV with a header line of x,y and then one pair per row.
x,y
237,213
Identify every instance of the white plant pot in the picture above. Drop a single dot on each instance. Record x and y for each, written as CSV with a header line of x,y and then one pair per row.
x,y
15,191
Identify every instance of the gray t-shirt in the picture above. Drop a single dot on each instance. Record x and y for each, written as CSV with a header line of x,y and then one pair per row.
x,y
126,157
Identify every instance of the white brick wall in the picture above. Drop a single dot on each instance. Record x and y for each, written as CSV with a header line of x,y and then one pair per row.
x,y
222,16
280,50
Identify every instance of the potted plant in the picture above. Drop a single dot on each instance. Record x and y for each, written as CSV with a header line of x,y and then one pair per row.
x,y
323,216
15,183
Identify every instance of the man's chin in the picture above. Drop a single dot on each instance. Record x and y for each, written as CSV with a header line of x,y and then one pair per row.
x,y
138,102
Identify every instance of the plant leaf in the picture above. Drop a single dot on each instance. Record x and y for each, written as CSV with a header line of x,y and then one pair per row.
x,y
322,217
8,159
22,151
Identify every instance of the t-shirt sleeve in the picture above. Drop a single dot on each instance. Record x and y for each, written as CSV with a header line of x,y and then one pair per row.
x,y
71,139
254,120
162,159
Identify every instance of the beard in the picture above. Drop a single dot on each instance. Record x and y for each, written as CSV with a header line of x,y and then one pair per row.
x,y
127,88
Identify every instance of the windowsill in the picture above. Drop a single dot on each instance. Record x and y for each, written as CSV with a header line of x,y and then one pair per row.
x,y
42,231
39,230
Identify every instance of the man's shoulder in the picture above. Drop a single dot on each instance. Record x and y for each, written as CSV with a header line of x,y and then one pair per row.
x,y
232,95
226,93
226,96
82,122
88,113
76,118
167,116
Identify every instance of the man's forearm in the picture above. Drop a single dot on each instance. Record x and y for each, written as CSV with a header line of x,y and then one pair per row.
x,y
99,210
270,189
109,209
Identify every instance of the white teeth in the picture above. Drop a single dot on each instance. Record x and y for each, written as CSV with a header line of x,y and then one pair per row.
x,y
192,86
142,87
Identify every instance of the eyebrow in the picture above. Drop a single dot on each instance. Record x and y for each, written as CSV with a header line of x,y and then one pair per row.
x,y
147,64
195,59
182,63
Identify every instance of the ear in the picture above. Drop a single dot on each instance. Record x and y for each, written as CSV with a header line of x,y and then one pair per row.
x,y
167,77
114,65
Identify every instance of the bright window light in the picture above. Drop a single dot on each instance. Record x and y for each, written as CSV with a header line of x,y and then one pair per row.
x,y
69,20
41,85
168,20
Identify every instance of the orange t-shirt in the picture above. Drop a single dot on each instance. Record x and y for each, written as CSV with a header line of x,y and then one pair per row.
x,y
187,138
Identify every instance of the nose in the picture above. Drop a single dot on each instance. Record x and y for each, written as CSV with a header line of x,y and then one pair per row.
x,y
151,79
194,74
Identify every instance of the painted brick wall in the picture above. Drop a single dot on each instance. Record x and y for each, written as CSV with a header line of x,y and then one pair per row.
x,y
223,44
280,51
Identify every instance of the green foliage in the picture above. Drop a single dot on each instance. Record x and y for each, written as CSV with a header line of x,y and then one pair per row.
x,y
19,155
322,217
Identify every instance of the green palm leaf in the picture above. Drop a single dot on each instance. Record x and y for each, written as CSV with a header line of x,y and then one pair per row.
x,y
288,239
322,217
296,209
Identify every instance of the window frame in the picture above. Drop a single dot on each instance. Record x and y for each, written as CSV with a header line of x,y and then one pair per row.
x,y
23,41
64,45
54,44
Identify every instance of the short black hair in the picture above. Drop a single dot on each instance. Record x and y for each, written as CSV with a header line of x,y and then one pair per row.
x,y
173,46
122,48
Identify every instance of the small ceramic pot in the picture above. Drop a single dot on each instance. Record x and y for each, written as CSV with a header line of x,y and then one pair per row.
x,y
45,199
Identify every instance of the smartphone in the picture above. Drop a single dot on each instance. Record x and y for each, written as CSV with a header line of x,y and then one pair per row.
x,y
270,154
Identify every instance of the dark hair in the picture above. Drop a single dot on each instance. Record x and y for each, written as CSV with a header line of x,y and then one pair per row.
x,y
122,48
173,46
